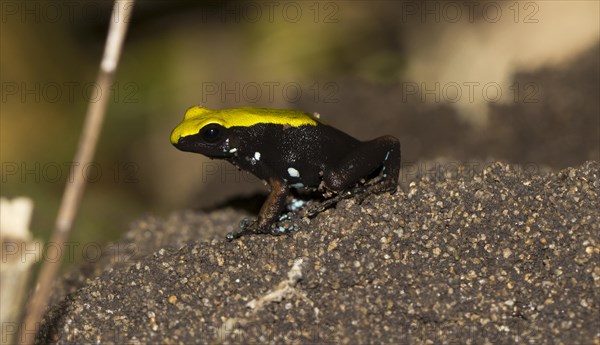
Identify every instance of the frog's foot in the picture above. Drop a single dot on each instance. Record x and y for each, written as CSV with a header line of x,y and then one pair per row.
x,y
325,204
328,203
377,185
385,185
359,192
284,225
247,227
381,186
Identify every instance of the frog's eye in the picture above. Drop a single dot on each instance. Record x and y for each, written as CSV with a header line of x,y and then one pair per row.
x,y
212,133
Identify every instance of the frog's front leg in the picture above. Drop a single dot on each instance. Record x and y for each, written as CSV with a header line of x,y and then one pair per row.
x,y
362,161
269,212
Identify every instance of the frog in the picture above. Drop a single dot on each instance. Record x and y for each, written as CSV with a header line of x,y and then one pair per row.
x,y
287,149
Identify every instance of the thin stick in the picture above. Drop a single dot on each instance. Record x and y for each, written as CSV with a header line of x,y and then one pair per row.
x,y
121,14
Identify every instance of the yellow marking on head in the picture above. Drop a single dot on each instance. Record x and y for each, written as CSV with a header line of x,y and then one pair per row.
x,y
197,117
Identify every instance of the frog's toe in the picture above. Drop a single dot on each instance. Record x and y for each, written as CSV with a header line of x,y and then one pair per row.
x,y
236,234
247,223
247,226
313,211
232,236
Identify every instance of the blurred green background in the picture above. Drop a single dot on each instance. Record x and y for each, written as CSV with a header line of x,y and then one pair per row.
x,y
456,82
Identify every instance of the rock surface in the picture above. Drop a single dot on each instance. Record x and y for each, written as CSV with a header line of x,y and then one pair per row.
x,y
502,256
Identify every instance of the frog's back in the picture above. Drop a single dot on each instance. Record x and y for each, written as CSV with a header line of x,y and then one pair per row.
x,y
249,116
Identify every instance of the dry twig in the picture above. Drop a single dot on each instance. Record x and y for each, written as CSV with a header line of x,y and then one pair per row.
x,y
121,15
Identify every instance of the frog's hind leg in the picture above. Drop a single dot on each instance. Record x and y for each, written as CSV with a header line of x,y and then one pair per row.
x,y
359,163
362,161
